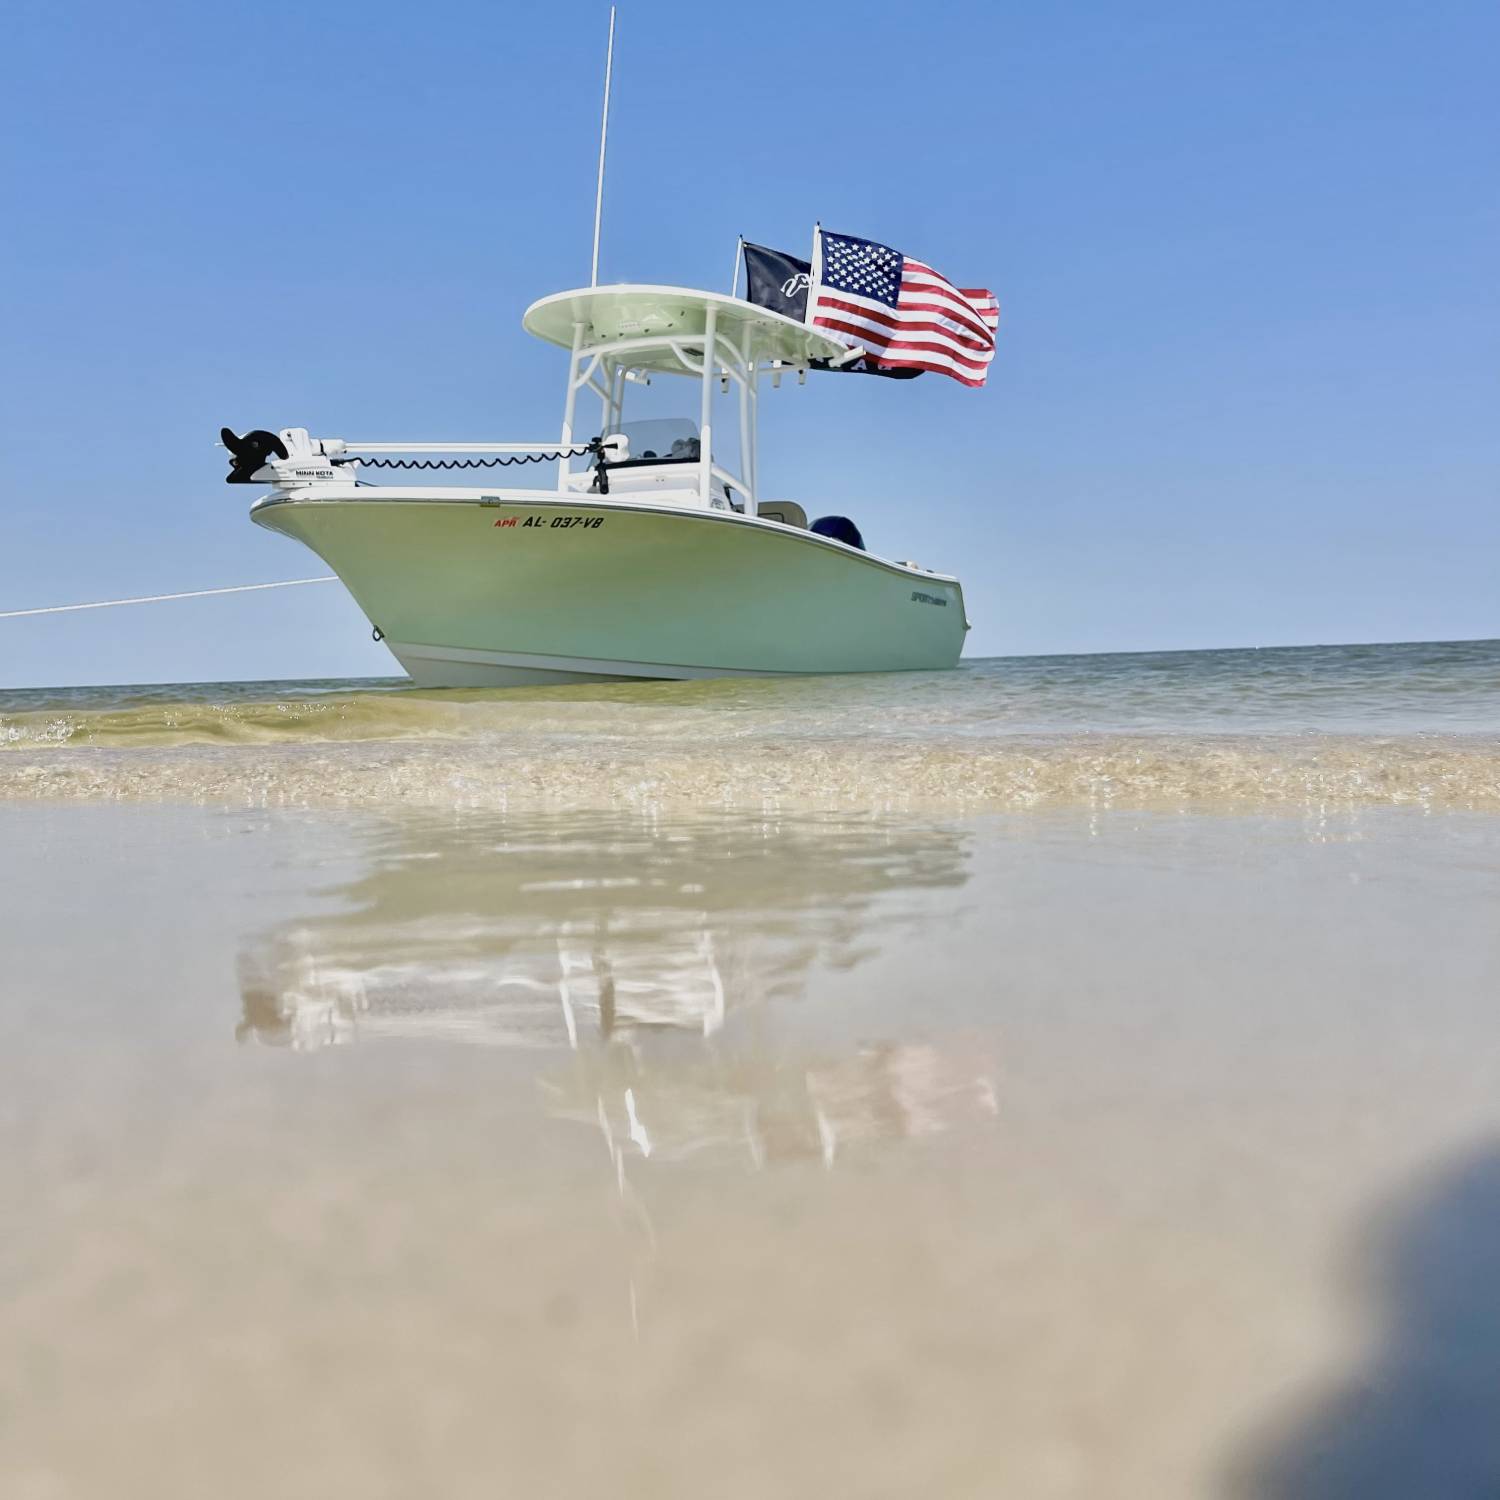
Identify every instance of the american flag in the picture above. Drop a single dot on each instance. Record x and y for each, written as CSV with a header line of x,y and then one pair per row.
x,y
899,310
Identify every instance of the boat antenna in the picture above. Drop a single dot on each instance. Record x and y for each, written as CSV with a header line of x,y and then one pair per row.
x,y
609,62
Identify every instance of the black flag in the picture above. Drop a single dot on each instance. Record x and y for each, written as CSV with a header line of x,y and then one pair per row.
x,y
778,281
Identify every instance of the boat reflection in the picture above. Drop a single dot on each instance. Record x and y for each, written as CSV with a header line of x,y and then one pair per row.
x,y
771,1110
662,957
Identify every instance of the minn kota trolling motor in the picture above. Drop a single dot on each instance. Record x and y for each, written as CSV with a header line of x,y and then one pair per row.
x,y
286,459
291,458
248,455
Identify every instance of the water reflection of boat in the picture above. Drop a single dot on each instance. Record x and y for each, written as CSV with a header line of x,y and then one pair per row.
x,y
635,947
775,1109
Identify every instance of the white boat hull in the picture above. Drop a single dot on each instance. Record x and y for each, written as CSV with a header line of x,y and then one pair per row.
x,y
513,588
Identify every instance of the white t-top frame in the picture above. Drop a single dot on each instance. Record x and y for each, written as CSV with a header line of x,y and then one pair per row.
x,y
618,333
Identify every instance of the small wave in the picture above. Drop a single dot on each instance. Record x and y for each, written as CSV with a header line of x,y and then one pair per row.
x,y
332,719
610,711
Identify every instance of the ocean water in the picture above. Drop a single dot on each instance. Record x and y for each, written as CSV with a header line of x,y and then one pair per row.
x,y
1416,723
1066,1078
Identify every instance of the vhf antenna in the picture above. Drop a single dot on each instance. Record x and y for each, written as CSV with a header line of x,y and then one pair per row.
x,y
609,62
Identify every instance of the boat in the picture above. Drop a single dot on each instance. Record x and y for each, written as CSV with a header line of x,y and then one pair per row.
x,y
649,557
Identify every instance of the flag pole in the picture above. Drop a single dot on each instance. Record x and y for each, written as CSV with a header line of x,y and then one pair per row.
x,y
734,285
609,61
813,276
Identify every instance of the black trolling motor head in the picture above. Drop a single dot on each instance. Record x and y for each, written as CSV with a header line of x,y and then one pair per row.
x,y
250,454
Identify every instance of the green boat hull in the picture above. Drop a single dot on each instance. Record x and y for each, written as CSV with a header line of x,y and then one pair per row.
x,y
497,591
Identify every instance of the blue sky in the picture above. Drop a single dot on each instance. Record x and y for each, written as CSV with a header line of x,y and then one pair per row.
x,y
1247,257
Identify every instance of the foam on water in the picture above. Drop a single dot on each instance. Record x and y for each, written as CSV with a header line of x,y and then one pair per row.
x,y
1407,724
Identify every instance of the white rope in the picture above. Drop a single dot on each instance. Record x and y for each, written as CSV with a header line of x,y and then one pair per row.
x,y
239,588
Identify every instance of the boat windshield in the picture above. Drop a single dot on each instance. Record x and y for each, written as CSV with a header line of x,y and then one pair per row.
x,y
671,440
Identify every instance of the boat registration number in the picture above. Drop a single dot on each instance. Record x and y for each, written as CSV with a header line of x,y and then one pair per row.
x,y
589,523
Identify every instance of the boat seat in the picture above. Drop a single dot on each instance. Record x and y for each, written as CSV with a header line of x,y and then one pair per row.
x,y
788,512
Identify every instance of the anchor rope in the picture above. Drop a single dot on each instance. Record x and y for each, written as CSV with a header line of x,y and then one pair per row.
x,y
238,588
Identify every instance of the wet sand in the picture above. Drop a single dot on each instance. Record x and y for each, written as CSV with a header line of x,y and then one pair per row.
x,y
1040,1154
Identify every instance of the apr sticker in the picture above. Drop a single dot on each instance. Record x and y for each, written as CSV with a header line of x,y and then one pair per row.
x,y
589,523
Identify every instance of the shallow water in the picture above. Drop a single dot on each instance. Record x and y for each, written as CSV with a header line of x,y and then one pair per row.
x,y
1063,1078
1442,686
1059,1153
1412,724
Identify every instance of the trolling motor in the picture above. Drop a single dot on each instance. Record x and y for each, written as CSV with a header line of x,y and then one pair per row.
x,y
286,459
248,455
291,458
